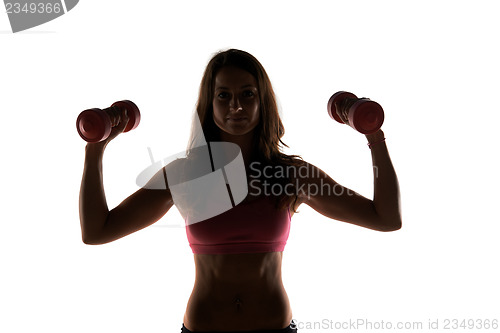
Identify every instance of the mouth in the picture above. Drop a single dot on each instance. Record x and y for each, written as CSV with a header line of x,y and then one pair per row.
x,y
236,119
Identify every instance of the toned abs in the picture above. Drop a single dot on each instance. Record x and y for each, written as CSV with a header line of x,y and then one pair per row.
x,y
238,292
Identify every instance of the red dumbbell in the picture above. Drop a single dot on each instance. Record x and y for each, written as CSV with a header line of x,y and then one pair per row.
x,y
364,115
95,125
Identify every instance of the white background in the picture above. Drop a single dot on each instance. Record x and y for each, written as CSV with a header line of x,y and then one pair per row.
x,y
433,66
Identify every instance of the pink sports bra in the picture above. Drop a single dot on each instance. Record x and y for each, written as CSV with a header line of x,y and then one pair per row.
x,y
251,227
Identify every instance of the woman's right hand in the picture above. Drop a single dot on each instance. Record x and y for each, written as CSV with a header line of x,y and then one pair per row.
x,y
342,111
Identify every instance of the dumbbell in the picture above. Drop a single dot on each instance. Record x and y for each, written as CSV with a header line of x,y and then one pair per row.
x,y
95,125
364,115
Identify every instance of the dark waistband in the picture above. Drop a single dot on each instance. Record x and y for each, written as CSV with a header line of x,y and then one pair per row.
x,y
287,329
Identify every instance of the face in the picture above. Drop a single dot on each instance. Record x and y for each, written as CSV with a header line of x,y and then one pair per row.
x,y
236,102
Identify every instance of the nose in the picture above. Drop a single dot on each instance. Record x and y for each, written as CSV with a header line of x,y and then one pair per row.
x,y
234,104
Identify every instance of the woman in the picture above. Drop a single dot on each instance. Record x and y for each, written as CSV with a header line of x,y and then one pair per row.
x,y
238,253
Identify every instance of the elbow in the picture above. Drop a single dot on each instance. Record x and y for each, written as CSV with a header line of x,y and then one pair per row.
x,y
87,240
391,226
93,235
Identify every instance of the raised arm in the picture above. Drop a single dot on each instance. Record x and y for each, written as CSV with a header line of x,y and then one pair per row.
x,y
386,197
329,198
144,207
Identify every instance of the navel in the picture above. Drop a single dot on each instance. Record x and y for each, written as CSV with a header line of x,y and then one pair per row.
x,y
238,303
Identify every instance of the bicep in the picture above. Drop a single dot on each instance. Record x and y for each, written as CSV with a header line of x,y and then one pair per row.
x,y
329,198
139,210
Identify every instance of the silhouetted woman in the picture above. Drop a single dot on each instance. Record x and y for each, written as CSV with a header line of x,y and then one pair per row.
x,y
238,253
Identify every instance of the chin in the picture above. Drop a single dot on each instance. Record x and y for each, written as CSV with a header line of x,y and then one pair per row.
x,y
235,132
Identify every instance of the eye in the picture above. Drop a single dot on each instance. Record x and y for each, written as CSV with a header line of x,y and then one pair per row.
x,y
248,93
223,95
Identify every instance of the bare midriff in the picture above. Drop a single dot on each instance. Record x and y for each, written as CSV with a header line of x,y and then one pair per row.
x,y
234,292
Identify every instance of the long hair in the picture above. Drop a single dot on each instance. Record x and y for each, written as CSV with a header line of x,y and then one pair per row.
x,y
269,131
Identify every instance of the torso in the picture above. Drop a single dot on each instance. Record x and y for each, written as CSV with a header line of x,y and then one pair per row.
x,y
238,292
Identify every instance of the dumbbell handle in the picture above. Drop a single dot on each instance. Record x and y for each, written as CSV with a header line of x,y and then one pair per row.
x,y
115,115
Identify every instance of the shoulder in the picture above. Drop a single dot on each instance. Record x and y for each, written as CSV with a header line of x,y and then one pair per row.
x,y
304,172
301,177
308,180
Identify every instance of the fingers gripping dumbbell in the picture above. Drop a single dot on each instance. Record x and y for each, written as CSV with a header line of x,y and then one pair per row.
x,y
362,114
95,125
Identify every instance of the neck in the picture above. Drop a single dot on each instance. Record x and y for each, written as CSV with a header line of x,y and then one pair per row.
x,y
245,142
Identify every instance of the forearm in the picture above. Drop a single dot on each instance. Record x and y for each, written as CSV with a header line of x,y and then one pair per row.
x,y
93,207
386,197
